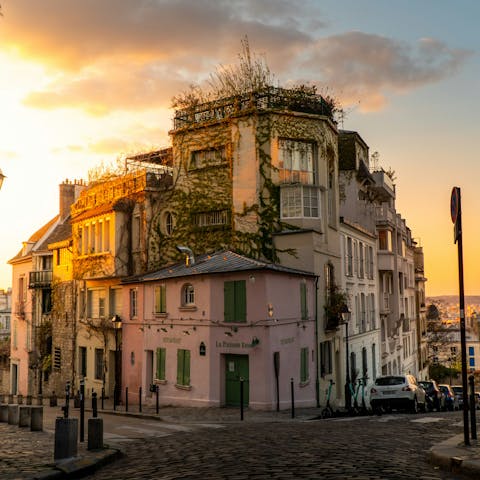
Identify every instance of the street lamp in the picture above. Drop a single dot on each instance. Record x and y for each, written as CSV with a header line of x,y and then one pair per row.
x,y
348,395
117,389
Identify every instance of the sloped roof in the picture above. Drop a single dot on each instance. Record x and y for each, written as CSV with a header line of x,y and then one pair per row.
x,y
224,261
60,232
36,237
43,230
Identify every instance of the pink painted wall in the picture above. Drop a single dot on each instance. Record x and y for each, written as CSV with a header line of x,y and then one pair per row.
x,y
284,332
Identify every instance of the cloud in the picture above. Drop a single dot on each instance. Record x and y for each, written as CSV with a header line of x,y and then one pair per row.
x,y
135,55
367,68
72,35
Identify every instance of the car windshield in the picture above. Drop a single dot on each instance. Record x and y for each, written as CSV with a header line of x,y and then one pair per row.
x,y
390,381
426,384
457,390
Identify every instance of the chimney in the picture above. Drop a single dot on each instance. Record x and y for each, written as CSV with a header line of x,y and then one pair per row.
x,y
67,198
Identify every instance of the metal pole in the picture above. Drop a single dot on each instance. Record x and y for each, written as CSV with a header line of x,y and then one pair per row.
x,y
292,394
67,400
348,395
156,398
82,410
114,397
241,398
126,399
94,405
140,399
458,227
473,419
103,398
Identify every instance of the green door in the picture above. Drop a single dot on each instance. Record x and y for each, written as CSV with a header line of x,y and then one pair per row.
x,y
236,368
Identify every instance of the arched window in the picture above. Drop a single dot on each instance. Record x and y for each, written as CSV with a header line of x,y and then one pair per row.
x,y
188,295
168,223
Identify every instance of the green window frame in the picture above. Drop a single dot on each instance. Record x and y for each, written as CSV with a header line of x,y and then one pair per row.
x,y
183,367
235,301
304,375
160,299
303,301
161,357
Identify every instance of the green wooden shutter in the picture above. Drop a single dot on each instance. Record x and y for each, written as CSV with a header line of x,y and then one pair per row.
x,y
179,367
240,301
303,301
163,299
229,301
161,354
186,368
157,300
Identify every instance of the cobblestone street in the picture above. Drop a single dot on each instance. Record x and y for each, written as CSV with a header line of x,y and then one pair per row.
x,y
387,447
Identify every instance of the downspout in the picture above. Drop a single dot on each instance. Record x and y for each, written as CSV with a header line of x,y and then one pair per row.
x,y
317,359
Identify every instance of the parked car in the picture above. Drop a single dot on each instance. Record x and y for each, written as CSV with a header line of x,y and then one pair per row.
x,y
397,392
451,400
435,397
477,400
458,389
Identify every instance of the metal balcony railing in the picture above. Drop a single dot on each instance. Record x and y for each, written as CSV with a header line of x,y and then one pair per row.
x,y
40,279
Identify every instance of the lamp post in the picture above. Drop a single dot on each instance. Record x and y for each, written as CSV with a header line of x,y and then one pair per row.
x,y
348,396
117,326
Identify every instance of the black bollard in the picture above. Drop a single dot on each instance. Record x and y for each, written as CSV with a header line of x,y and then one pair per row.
x,y
126,399
293,397
140,399
156,398
241,398
473,420
94,405
103,398
67,400
82,410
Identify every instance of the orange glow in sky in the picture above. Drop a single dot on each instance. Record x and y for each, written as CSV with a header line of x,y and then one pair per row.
x,y
83,83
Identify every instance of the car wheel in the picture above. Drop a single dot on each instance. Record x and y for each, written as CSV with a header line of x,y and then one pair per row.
x,y
414,405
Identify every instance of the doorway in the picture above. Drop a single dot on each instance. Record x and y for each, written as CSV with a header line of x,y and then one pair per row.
x,y
236,368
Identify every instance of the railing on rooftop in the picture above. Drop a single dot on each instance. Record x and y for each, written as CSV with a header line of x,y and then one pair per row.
x,y
109,191
271,98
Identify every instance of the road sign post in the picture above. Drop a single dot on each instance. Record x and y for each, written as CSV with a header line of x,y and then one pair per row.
x,y
456,214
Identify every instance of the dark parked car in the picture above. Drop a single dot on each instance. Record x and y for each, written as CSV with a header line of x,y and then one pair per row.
x,y
435,398
451,400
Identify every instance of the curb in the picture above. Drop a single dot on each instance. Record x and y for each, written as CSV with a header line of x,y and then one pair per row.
x,y
452,455
78,467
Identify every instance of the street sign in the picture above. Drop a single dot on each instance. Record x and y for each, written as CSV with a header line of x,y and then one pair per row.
x,y
455,204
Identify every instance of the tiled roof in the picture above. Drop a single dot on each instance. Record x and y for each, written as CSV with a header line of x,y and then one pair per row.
x,y
60,232
41,231
219,262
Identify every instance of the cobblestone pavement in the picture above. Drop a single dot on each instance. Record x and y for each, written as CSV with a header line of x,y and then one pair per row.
x,y
389,447
23,453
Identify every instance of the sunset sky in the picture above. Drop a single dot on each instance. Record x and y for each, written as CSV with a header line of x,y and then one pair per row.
x,y
85,82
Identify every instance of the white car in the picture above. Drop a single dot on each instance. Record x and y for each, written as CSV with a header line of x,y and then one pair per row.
x,y
397,392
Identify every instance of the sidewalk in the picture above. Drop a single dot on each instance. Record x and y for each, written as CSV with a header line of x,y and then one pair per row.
x,y
454,456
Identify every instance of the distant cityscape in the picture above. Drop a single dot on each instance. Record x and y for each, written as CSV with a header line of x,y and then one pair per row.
x,y
449,308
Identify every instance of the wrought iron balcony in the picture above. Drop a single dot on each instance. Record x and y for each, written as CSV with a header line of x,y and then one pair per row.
x,y
40,279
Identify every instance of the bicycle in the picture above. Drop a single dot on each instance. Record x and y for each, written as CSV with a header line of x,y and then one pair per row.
x,y
327,412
